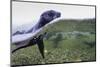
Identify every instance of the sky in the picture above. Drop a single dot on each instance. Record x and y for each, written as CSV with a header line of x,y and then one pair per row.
x,y
26,12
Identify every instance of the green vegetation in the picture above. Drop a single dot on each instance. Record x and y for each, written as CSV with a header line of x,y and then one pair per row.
x,y
67,41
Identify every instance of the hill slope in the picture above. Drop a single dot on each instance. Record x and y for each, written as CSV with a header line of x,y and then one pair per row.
x,y
66,41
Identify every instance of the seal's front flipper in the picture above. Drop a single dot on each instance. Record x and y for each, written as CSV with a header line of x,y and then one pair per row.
x,y
40,45
20,45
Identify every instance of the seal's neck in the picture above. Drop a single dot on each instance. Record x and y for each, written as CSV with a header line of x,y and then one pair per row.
x,y
42,22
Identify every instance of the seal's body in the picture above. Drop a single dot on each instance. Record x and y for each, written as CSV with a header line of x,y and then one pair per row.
x,y
27,38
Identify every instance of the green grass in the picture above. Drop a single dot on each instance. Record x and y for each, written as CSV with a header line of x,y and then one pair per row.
x,y
76,44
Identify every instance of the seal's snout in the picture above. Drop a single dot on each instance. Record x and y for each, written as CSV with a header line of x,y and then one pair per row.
x,y
58,14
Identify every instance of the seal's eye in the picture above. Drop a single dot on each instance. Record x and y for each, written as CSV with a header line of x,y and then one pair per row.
x,y
51,14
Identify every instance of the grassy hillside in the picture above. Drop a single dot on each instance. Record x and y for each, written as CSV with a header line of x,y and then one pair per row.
x,y
66,41
87,25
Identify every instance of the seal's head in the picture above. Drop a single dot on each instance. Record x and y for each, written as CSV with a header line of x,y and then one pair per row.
x,y
48,16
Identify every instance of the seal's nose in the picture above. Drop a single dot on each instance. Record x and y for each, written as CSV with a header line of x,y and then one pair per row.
x,y
58,14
